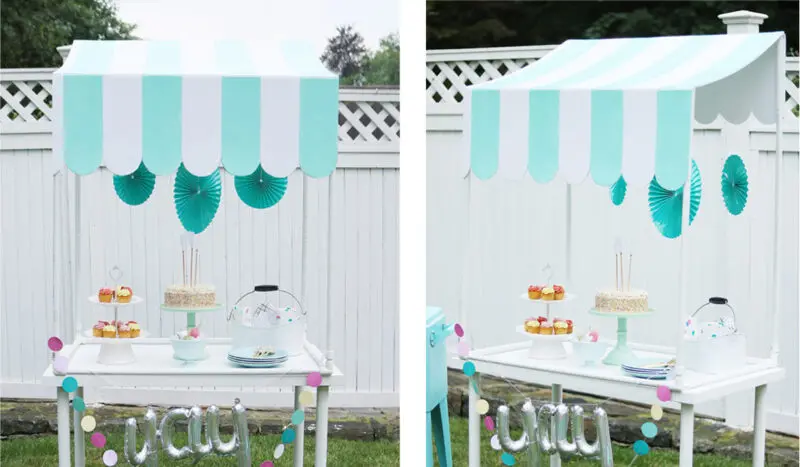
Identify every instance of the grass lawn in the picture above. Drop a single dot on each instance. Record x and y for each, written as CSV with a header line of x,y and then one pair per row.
x,y
42,452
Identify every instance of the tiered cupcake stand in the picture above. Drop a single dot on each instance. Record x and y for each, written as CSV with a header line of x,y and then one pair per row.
x,y
547,347
114,350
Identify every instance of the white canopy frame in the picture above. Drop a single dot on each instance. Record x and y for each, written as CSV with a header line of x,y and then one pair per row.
x,y
686,430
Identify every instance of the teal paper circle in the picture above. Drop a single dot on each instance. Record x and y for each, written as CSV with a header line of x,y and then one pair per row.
x,y
78,404
618,190
469,368
666,206
287,436
135,188
641,448
260,190
649,429
69,384
734,184
298,416
197,199
508,459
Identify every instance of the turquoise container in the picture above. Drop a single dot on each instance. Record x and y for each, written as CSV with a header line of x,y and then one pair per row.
x,y
438,423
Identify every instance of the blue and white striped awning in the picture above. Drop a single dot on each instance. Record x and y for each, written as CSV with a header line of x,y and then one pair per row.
x,y
201,103
618,107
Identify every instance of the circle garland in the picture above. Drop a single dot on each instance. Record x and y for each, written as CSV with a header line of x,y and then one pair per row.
x,y
640,447
734,184
618,190
89,423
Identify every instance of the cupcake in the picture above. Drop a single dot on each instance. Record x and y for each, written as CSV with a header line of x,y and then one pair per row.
x,y
532,326
135,329
559,292
124,294
109,331
125,331
97,329
560,327
548,293
105,295
534,292
546,328
569,326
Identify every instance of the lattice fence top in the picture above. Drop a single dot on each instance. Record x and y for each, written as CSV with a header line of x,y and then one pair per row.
x,y
449,72
365,115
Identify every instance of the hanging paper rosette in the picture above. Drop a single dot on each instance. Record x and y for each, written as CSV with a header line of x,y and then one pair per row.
x,y
135,188
617,191
196,199
666,206
260,190
734,184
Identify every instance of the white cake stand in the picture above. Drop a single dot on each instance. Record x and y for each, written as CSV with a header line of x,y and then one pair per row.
x,y
114,351
621,353
546,347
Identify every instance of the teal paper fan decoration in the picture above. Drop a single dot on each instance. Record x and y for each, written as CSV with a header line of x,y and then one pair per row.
x,y
734,184
197,199
618,190
666,206
135,188
260,190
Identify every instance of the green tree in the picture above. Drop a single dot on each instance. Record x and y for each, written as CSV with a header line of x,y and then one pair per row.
x,y
345,54
453,25
32,29
383,66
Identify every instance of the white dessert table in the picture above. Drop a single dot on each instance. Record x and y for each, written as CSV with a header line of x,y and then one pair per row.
x,y
512,361
156,367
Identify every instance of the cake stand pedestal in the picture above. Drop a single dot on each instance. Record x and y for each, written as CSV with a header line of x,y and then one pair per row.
x,y
546,347
114,351
621,353
190,312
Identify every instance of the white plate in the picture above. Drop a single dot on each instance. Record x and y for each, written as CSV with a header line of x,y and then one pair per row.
x,y
90,339
567,297
544,337
134,300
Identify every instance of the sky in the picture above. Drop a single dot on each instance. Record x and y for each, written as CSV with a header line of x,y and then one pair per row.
x,y
312,21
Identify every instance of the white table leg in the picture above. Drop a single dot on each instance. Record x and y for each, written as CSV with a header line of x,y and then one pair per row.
x,y
80,445
321,454
760,427
299,430
474,424
687,435
557,398
64,452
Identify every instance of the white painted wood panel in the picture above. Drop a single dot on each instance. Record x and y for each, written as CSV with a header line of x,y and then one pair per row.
x,y
241,248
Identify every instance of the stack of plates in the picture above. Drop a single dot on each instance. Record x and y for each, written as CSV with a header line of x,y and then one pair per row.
x,y
656,369
243,356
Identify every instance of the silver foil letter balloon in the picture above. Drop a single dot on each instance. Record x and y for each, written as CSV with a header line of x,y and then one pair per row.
x,y
148,455
548,433
196,448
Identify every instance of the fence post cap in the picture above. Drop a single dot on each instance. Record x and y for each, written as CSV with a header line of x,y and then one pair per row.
x,y
742,21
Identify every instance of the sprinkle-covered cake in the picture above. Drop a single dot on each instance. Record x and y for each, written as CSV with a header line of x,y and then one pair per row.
x,y
618,301
188,296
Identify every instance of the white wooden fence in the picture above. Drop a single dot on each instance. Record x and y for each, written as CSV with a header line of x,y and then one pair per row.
x,y
487,241
242,247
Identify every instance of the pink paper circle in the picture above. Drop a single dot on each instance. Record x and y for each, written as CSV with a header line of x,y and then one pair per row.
x,y
98,440
110,458
60,364
55,344
463,349
267,464
314,379
663,393
459,330
489,423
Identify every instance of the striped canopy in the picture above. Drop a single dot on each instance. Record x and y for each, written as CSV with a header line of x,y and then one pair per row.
x,y
618,107
201,103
